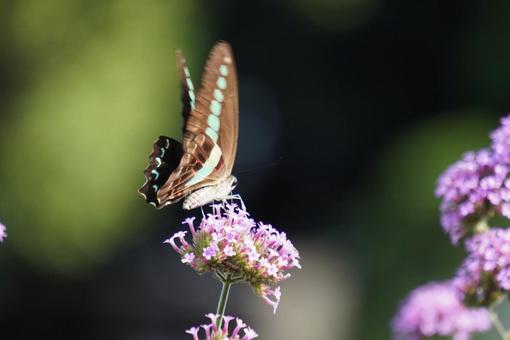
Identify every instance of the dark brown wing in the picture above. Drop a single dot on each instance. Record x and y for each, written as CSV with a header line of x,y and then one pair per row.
x,y
165,157
218,92
187,89
166,152
210,134
200,166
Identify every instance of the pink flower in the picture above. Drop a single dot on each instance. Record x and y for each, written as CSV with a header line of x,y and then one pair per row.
x,y
180,235
267,293
188,258
229,243
477,187
471,190
3,232
210,252
212,332
485,274
229,251
435,310
501,140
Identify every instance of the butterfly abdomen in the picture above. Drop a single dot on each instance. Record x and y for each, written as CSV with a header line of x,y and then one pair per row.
x,y
210,193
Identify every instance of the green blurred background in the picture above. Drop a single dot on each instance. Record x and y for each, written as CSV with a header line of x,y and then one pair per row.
x,y
350,109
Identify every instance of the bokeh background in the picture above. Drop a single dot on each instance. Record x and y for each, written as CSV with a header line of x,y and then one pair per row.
x,y
350,109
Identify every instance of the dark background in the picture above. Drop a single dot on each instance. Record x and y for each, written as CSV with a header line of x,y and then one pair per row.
x,y
350,110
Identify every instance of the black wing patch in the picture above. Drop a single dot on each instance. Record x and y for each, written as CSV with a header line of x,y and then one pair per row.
x,y
164,159
187,89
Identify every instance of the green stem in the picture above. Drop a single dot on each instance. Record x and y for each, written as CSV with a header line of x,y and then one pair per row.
x,y
497,324
222,303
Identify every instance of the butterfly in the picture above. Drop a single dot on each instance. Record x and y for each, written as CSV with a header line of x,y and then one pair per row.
x,y
199,170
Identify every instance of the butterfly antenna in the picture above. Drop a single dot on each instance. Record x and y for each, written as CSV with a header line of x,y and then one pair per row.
x,y
262,167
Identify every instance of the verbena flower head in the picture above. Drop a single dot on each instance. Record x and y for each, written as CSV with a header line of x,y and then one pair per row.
x,y
230,244
3,232
501,141
239,329
485,274
434,309
473,189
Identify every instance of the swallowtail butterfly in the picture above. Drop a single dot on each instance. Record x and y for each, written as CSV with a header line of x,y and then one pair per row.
x,y
199,169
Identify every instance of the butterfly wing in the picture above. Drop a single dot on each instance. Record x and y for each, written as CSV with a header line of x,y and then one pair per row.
x,y
211,130
218,99
165,157
187,89
167,152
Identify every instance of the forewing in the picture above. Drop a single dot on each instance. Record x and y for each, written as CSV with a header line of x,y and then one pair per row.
x,y
217,108
187,88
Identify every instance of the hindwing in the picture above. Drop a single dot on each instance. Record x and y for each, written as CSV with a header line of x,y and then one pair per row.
x,y
165,157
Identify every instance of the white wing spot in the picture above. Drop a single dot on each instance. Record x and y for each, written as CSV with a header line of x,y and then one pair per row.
x,y
186,71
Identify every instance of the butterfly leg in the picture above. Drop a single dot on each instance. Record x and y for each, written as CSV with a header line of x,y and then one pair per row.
x,y
202,210
242,202
236,197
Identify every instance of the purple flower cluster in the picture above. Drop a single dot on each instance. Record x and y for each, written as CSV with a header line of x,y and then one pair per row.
x,y
212,332
501,141
230,244
3,232
476,187
485,273
473,190
434,309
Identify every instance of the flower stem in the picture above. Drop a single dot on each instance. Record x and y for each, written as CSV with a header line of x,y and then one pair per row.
x,y
222,303
497,324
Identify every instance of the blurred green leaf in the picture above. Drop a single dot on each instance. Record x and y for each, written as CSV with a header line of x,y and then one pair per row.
x,y
77,139
336,15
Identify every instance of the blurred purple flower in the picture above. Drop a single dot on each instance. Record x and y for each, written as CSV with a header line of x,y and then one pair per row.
x,y
3,232
212,332
434,309
501,141
472,189
229,243
485,274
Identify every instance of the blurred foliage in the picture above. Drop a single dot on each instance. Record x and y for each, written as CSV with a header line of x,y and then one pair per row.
x,y
336,15
76,137
411,164
484,54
